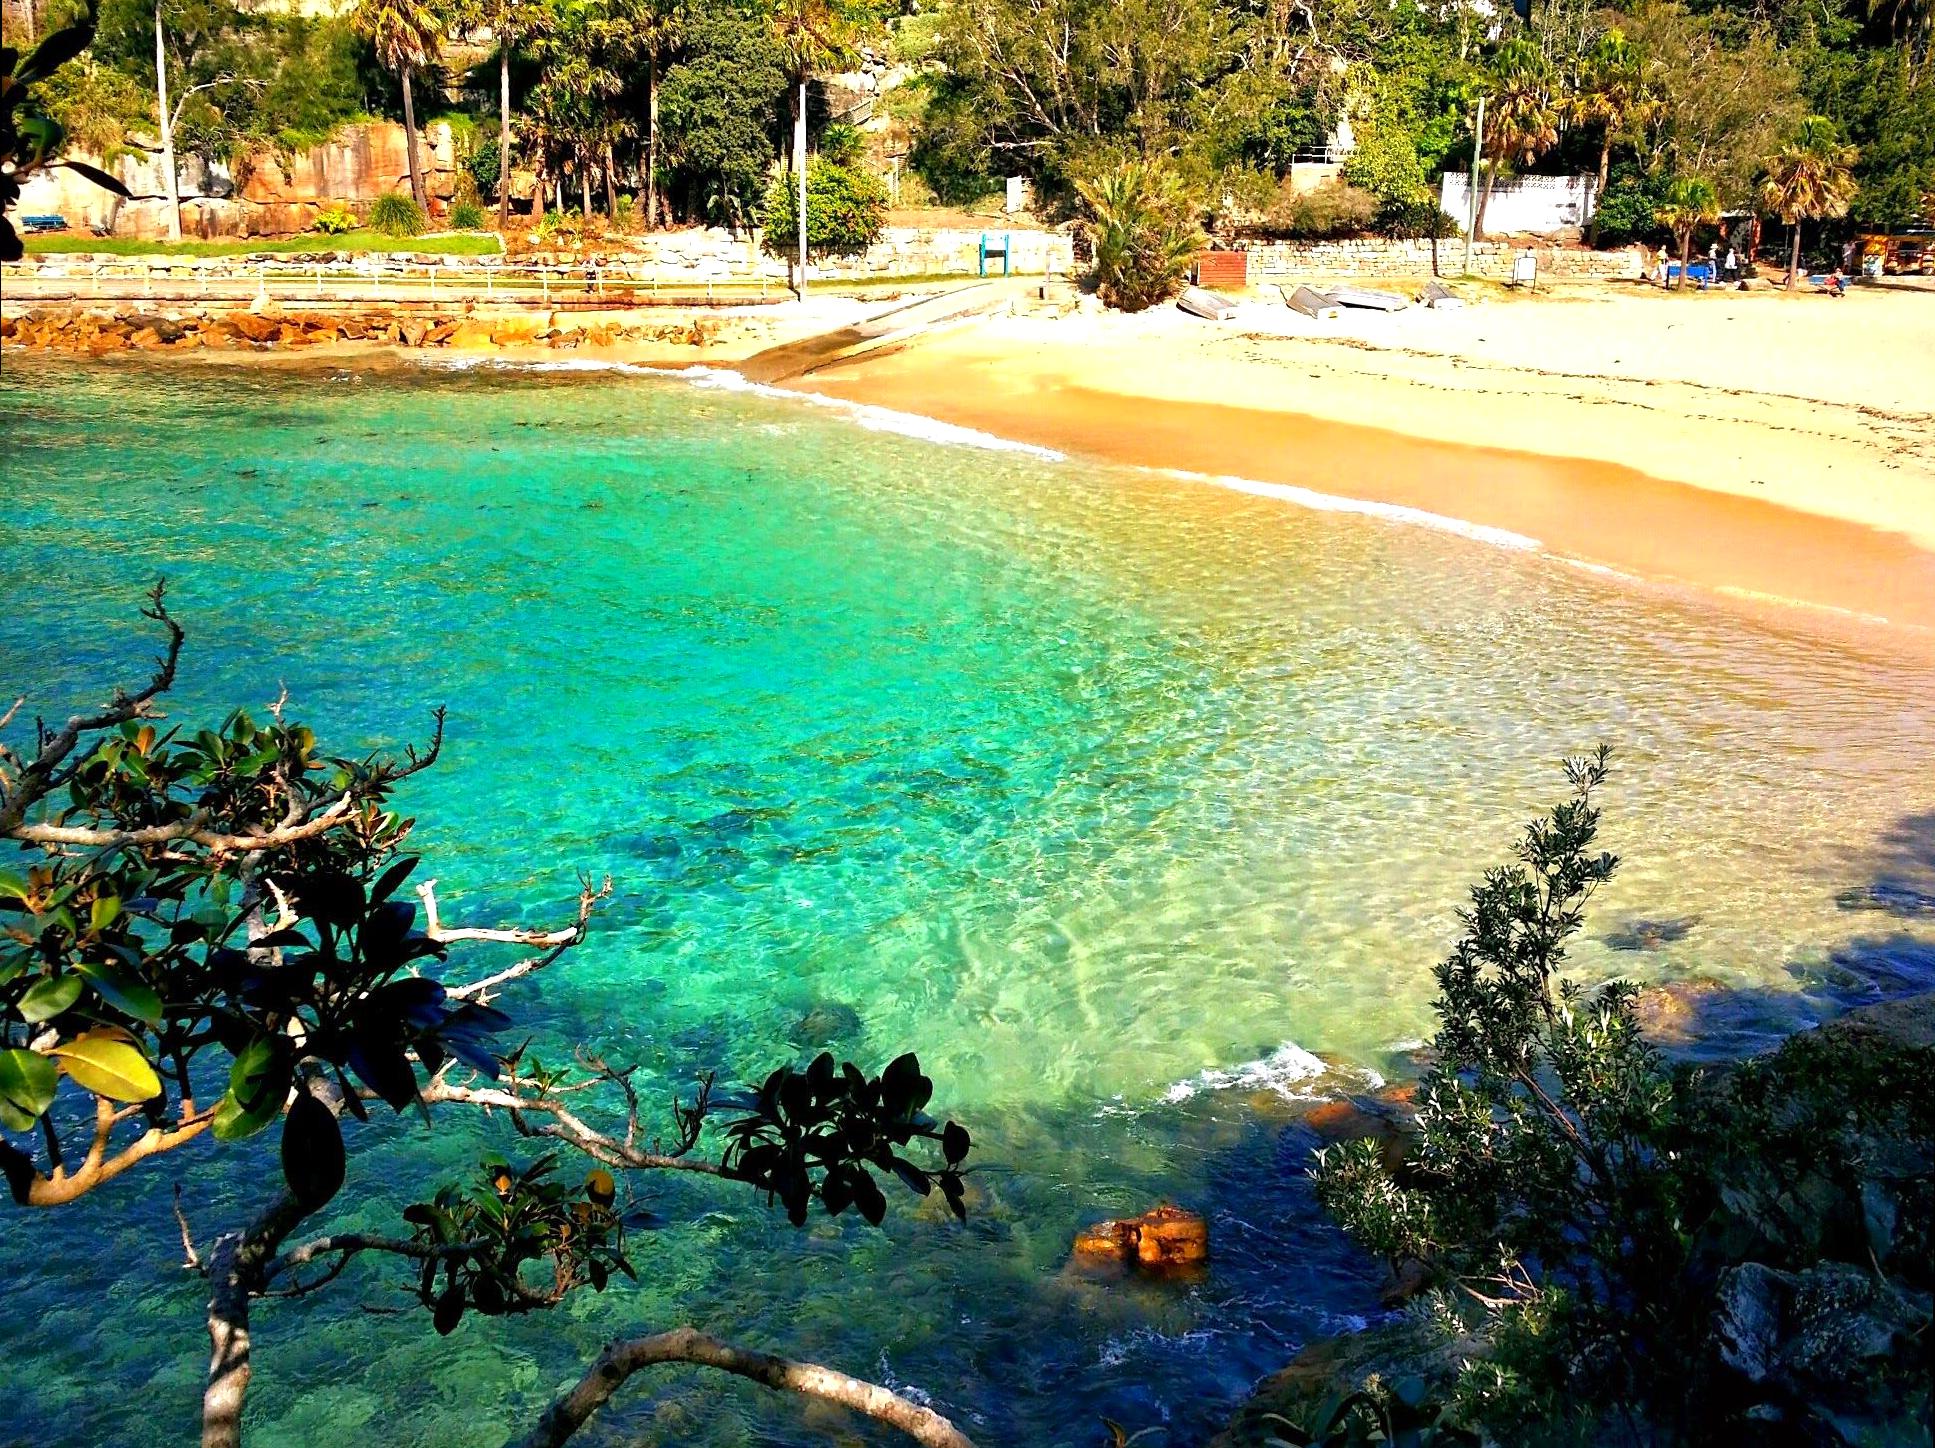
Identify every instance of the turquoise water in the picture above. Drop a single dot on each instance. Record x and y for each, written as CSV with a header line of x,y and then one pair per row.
x,y
1097,788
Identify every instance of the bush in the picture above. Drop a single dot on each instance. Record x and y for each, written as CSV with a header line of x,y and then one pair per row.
x,y
394,214
845,210
480,166
467,216
1625,211
335,220
1142,233
842,144
563,224
1597,1224
1335,208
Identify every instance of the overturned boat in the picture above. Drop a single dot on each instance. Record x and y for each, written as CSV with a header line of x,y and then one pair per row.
x,y
1201,302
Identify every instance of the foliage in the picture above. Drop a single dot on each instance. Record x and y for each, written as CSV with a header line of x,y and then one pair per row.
x,y
1335,208
1811,179
394,214
467,216
453,245
335,220
1724,96
846,206
206,935
715,103
28,140
1686,204
563,225
1578,1203
482,165
1141,233
1627,207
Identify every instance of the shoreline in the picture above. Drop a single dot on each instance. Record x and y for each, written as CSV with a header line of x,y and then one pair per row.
x,y
1813,514
1799,543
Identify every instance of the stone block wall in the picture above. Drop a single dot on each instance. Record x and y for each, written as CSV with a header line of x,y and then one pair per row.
x,y
1272,262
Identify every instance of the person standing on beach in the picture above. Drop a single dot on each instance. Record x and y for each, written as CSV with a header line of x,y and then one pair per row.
x,y
1733,264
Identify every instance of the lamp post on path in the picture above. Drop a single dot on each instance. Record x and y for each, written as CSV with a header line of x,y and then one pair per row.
x,y
1471,190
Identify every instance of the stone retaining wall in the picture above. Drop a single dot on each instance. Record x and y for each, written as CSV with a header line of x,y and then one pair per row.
x,y
902,251
1289,260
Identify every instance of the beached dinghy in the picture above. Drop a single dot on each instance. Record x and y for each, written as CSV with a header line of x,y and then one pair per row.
x,y
1312,303
1440,298
1201,302
1367,299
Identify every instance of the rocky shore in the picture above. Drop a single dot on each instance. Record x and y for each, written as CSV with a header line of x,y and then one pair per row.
x,y
96,332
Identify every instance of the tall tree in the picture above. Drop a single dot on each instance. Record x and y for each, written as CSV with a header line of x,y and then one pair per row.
x,y
1812,179
1690,202
511,23
1611,95
813,35
1522,119
406,35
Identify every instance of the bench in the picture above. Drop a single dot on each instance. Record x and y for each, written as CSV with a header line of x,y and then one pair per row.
x,y
44,223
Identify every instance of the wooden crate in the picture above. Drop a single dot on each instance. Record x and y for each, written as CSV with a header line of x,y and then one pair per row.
x,y
1223,270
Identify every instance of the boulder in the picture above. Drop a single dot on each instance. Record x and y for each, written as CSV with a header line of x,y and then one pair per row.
x,y
1165,1240
251,327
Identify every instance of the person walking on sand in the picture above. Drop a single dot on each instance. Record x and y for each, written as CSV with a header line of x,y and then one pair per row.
x,y
1733,264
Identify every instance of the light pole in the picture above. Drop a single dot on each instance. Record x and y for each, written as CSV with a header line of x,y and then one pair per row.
x,y
1471,191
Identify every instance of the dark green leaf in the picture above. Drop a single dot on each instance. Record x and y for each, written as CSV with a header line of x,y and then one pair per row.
x,y
46,999
313,1162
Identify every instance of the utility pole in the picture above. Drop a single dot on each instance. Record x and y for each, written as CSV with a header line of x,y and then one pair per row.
x,y
799,165
1471,191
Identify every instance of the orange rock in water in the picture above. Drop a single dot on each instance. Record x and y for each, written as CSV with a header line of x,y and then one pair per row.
x,y
1167,1239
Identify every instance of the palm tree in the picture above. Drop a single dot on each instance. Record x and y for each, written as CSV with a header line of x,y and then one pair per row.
x,y
1141,232
814,36
1524,121
1812,179
406,34
661,24
510,22
1613,96
1690,202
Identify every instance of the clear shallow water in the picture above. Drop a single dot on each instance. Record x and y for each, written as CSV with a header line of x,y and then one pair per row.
x,y
1082,782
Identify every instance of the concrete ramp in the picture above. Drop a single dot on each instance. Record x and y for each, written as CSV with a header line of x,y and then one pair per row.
x,y
896,324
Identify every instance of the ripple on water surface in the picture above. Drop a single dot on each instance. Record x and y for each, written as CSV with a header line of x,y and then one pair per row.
x,y
1113,793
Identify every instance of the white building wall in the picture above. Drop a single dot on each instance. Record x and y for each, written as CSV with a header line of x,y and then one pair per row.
x,y
1532,204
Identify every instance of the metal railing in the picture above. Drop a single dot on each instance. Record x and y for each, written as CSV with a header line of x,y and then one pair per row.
x,y
378,278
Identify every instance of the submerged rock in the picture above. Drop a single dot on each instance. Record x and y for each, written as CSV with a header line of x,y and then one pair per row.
x,y
826,1023
1650,934
1165,1240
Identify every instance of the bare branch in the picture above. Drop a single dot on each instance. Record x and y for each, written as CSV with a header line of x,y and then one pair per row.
x,y
350,1243
190,1258
63,1187
557,941
684,1345
193,830
41,773
563,1125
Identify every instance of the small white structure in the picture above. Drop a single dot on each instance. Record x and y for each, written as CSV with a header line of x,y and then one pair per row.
x,y
1535,205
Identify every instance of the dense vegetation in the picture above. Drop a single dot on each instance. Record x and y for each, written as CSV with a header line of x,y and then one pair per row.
x,y
690,110
1622,1251
205,935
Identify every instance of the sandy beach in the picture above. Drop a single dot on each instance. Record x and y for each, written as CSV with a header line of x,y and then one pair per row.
x,y
1776,451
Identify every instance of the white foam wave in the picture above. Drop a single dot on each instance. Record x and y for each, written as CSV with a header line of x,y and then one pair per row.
x,y
1390,512
724,379
1290,1071
870,416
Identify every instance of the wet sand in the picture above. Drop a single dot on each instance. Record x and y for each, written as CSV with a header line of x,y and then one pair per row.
x,y
1848,550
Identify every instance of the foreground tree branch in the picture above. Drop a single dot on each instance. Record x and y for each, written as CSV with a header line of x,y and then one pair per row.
x,y
686,1345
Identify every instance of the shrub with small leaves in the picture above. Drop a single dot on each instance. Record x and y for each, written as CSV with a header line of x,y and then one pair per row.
x,y
334,220
394,214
